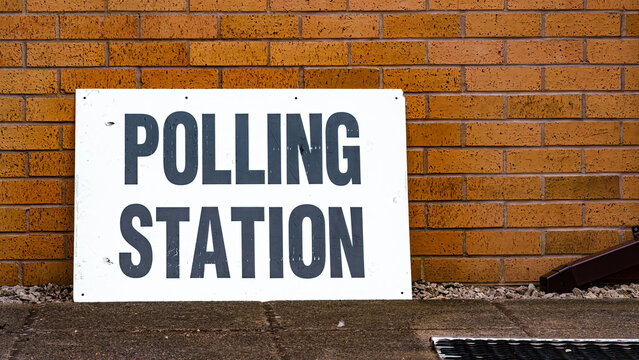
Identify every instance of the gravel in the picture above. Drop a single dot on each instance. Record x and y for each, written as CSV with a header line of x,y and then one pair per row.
x,y
35,294
430,291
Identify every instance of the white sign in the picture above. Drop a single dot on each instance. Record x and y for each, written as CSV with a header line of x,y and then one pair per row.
x,y
240,195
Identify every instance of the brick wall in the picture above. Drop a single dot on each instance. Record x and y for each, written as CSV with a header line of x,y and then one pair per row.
x,y
523,130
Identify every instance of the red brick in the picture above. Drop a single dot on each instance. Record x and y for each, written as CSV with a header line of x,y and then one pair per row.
x,y
612,214
31,247
228,5
69,195
416,269
65,54
415,161
461,270
13,220
422,80
434,188
260,78
387,5
583,24
340,26
544,51
503,134
581,133
612,106
336,78
98,26
38,273
503,25
51,164
180,79
466,5
503,188
433,134
28,81
527,270
10,5
466,52
13,165
503,243
68,137
50,109
435,243
259,26
64,5
148,54
631,133
24,137
309,53
415,107
178,26
583,78
613,4
309,5
51,219
582,187
388,53
234,53
612,51
9,274
545,4
17,192
580,241
544,215
464,161
632,79
465,216
541,161
612,160
421,25
10,54
97,79
416,215
544,106
466,107
632,25
10,109
27,27
503,78
631,187
145,5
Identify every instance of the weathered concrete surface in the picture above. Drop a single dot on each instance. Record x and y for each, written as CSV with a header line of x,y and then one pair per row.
x,y
293,330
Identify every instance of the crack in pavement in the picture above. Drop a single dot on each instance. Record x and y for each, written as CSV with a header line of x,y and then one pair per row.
x,y
274,328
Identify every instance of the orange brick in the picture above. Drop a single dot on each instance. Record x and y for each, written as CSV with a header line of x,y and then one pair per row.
x,y
612,160
466,52
51,219
388,53
583,24
415,107
39,273
65,54
28,137
309,53
503,78
65,5
27,82
308,5
68,137
632,25
148,54
10,54
51,164
416,269
145,5
50,109
580,241
13,220
23,247
612,214
433,134
461,270
259,26
415,161
544,51
387,5
422,80
98,26
583,78
12,165
540,161
465,216
544,106
612,106
464,161
434,188
632,78
581,133
27,27
503,134
631,133
260,78
10,109
9,274
503,188
436,243
465,5
613,4
631,187
503,243
421,25
10,5
503,25
613,51
30,192
178,26
341,78
544,215
466,107
582,187
340,26
234,53
180,79
96,79
520,270
545,4
228,5
416,215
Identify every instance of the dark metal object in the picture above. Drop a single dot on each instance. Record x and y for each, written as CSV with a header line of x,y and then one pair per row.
x,y
486,348
593,267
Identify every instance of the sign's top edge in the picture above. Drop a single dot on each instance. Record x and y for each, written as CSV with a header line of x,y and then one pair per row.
x,y
400,91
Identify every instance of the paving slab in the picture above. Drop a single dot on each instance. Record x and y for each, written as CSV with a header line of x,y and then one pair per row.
x,y
12,318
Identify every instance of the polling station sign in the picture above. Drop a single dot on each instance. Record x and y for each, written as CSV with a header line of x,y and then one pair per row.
x,y
240,195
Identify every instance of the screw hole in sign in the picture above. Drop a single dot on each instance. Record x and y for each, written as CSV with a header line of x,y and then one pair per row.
x,y
84,97
296,98
186,97
82,294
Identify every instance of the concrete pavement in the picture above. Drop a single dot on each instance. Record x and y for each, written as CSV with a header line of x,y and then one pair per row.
x,y
294,330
